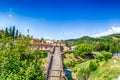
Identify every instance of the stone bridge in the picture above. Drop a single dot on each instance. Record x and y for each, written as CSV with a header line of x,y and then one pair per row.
x,y
55,66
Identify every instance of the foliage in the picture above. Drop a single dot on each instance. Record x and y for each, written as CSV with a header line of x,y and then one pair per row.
x,y
86,69
93,66
70,64
99,57
11,32
83,74
115,47
88,40
70,61
107,55
68,52
100,46
107,43
82,50
107,70
103,55
18,61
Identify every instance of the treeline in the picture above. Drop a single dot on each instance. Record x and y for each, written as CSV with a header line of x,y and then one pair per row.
x,y
18,61
95,50
11,32
109,43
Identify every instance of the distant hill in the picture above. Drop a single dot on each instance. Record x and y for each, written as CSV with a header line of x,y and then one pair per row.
x,y
87,39
112,36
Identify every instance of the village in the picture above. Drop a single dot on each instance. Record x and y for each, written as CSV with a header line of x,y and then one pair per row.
x,y
47,45
59,39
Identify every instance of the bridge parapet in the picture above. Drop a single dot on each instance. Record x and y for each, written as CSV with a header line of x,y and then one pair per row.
x,y
55,66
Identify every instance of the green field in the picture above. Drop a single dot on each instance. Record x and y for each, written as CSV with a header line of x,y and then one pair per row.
x,y
107,70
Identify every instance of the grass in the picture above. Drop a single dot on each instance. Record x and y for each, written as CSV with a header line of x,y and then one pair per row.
x,y
107,70
82,65
68,58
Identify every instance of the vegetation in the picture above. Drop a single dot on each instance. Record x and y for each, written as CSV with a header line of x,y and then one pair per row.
x,y
101,65
115,46
93,66
99,57
83,74
82,50
103,55
108,43
69,60
104,70
106,55
18,61
107,70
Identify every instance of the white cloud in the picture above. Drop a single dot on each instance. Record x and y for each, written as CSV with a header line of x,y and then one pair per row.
x,y
10,12
10,15
113,30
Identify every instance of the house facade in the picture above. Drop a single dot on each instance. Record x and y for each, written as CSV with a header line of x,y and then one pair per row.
x,y
47,45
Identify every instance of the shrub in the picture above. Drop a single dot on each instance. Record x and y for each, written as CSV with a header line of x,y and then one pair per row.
x,y
93,65
103,55
107,55
82,50
83,74
68,52
19,61
99,57
70,64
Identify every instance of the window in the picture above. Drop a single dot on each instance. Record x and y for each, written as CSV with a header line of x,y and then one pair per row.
x,y
45,47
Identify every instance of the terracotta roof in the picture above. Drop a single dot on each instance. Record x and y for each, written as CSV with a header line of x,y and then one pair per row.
x,y
45,45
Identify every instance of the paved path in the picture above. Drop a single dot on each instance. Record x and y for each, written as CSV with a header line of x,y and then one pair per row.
x,y
56,65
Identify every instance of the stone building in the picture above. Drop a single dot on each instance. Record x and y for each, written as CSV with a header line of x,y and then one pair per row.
x,y
47,45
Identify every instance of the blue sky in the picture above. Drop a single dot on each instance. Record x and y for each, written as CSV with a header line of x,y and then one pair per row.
x,y
62,19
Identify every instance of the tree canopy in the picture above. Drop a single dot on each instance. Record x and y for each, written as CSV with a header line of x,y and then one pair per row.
x,y
82,49
18,61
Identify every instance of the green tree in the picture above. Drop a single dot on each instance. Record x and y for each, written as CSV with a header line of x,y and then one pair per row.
x,y
10,31
93,66
107,55
103,55
6,32
17,33
115,47
99,57
13,31
18,61
82,50
100,46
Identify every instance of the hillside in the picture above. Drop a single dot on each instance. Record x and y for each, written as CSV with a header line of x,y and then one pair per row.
x,y
87,39
106,70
